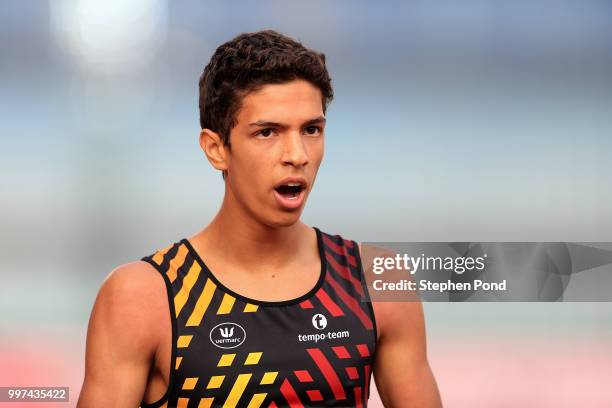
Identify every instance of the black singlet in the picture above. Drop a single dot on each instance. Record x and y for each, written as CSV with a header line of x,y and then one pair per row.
x,y
231,351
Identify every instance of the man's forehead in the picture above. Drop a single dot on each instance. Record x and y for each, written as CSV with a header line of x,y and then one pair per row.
x,y
277,101
297,87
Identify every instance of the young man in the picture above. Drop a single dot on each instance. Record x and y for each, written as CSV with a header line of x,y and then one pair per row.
x,y
257,309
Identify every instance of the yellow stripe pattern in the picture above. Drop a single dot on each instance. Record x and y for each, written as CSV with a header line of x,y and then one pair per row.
x,y
237,390
226,304
183,341
158,258
249,307
215,381
202,304
257,400
206,402
190,279
177,262
190,383
253,358
268,378
226,360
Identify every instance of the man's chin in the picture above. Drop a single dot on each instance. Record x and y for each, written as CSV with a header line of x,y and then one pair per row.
x,y
284,219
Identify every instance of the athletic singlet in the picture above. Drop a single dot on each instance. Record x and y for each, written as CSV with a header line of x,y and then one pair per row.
x,y
316,350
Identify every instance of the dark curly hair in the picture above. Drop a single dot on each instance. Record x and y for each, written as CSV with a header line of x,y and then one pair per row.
x,y
248,62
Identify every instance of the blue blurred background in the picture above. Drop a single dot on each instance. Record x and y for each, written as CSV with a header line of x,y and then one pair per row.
x,y
468,121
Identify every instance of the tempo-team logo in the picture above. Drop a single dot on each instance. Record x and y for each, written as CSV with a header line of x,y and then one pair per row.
x,y
227,335
319,321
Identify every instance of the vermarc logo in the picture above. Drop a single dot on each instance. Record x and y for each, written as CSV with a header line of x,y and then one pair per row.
x,y
319,321
226,332
227,335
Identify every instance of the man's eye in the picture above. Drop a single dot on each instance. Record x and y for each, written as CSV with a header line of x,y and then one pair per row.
x,y
313,130
267,132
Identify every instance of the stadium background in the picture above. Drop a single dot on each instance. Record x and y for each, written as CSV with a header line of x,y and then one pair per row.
x,y
468,121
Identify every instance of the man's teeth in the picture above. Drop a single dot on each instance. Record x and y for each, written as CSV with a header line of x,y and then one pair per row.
x,y
291,190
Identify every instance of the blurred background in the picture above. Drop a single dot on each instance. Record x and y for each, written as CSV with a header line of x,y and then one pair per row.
x,y
467,121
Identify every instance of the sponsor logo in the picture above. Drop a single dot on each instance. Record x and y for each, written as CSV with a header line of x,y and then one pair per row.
x,y
226,332
319,321
316,337
227,335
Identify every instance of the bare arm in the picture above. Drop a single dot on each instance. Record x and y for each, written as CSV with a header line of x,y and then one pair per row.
x,y
121,338
401,370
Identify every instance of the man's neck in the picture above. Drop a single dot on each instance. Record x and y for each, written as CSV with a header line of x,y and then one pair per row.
x,y
239,237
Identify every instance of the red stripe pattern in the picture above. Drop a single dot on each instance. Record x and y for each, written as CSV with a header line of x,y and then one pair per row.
x,y
345,273
363,350
303,375
314,395
351,302
358,402
352,373
329,304
328,372
307,304
340,250
341,352
290,395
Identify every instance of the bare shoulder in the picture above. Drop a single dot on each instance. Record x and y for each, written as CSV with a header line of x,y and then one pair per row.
x,y
134,278
399,318
131,302
123,337
395,318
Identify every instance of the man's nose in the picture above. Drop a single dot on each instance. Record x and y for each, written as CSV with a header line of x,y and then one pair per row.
x,y
294,152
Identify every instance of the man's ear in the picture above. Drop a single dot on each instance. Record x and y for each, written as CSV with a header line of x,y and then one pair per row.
x,y
216,152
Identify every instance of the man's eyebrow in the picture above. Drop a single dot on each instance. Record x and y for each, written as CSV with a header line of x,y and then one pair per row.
x,y
265,123
320,119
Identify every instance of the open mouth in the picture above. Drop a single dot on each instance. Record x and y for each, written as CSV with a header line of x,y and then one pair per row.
x,y
290,190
